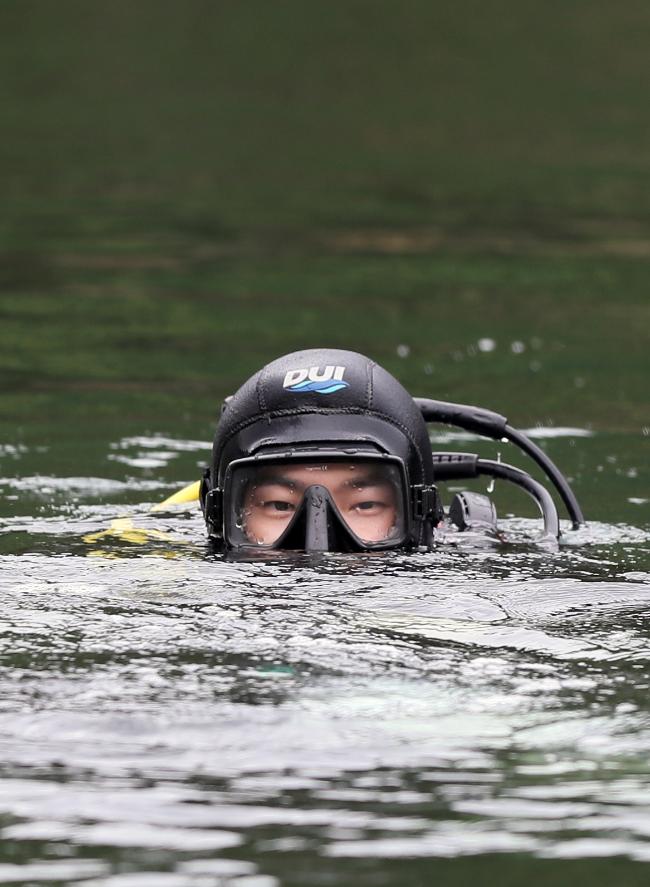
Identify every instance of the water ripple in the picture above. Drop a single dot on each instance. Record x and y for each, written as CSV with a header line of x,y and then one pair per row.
x,y
163,707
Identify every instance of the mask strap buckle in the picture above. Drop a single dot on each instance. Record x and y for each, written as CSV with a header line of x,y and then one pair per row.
x,y
211,505
425,501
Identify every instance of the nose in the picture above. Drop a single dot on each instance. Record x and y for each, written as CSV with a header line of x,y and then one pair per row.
x,y
318,521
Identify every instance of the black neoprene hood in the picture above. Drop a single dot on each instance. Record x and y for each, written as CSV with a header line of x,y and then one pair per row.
x,y
322,400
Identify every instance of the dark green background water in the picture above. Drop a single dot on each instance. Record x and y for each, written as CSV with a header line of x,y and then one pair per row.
x,y
190,189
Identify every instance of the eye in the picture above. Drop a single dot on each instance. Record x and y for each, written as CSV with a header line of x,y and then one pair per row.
x,y
368,505
278,505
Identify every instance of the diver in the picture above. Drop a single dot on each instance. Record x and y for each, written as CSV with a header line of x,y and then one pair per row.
x,y
324,450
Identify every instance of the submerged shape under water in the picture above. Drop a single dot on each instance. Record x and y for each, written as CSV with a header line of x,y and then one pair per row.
x,y
171,716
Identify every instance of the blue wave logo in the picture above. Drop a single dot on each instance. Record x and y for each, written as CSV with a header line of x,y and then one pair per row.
x,y
322,380
322,387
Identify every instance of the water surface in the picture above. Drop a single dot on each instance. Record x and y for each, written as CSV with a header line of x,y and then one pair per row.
x,y
292,720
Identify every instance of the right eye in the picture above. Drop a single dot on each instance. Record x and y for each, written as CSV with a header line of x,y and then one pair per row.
x,y
278,505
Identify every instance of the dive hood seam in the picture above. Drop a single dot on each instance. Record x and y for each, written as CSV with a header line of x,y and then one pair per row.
x,y
261,400
370,368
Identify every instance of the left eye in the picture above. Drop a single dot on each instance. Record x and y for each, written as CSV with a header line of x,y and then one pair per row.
x,y
367,506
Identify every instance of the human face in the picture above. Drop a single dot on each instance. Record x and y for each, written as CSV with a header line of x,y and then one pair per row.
x,y
364,493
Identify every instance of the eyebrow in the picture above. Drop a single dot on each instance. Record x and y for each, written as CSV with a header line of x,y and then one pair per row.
x,y
275,480
368,482
285,481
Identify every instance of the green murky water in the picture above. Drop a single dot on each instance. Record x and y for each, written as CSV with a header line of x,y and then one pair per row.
x,y
189,191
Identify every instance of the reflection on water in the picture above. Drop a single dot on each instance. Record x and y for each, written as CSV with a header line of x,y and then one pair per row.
x,y
209,720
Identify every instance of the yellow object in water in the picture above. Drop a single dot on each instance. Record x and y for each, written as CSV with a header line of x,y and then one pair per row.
x,y
122,528
188,494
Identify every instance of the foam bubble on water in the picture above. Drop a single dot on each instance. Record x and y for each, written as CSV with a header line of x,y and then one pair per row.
x,y
156,879
579,848
403,351
142,879
156,441
219,867
486,345
557,431
439,436
439,842
14,451
152,460
517,347
71,487
140,834
153,451
51,870
90,486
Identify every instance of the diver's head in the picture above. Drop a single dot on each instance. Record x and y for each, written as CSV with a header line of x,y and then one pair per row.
x,y
321,450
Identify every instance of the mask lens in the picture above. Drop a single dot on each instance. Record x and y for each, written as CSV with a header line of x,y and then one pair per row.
x,y
265,497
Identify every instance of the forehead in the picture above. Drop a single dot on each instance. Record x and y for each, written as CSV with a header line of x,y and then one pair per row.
x,y
328,473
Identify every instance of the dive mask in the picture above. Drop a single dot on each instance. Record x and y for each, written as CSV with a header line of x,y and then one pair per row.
x,y
316,504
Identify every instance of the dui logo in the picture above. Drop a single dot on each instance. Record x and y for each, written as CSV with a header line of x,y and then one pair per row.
x,y
324,381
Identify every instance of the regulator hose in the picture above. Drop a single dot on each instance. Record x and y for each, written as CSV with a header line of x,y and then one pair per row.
x,y
465,466
539,493
493,425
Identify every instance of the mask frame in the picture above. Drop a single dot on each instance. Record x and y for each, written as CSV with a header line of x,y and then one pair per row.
x,y
317,499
